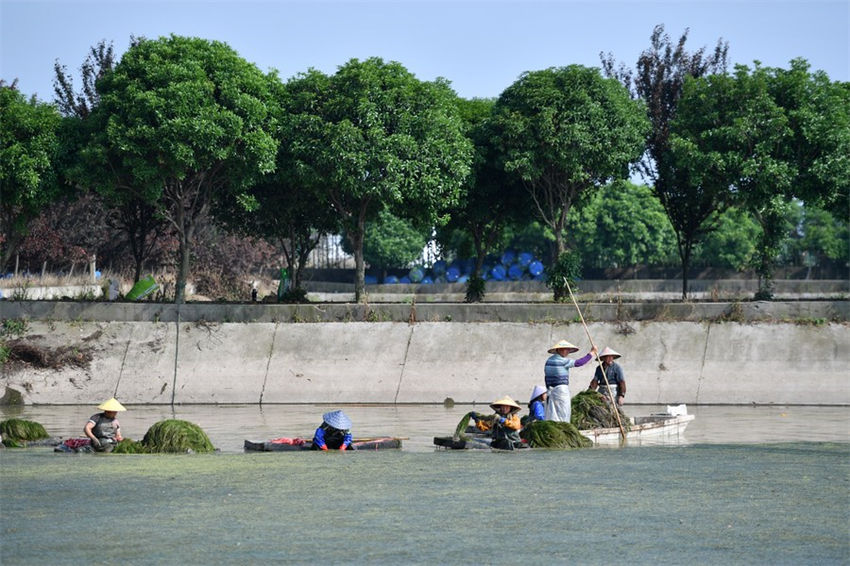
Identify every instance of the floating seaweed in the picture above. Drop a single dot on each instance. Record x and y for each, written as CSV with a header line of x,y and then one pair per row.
x,y
176,436
129,446
553,434
590,410
17,432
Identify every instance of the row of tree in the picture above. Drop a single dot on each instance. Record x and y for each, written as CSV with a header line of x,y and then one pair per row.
x,y
183,130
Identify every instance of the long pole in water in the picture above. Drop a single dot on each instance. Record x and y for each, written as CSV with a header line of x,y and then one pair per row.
x,y
605,377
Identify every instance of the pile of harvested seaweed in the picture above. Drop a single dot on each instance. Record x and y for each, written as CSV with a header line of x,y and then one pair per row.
x,y
171,436
552,434
17,432
589,410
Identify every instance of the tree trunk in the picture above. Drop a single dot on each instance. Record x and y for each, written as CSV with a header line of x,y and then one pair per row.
x,y
359,263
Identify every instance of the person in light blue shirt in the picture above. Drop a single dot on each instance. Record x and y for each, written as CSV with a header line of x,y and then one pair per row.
x,y
557,373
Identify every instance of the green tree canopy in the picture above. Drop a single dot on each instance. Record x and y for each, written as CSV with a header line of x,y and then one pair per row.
x,y
180,120
373,137
659,79
563,131
391,242
28,150
622,224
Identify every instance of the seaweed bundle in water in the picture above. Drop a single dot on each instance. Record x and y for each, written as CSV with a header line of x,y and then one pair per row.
x,y
172,436
553,434
177,436
16,431
589,410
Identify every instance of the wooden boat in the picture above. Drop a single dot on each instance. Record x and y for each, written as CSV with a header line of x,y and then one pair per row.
x,y
296,444
658,428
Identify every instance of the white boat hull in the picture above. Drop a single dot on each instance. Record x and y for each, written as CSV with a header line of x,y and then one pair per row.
x,y
661,429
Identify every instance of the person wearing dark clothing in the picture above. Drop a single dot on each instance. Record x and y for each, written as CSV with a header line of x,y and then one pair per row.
x,y
616,387
103,429
334,432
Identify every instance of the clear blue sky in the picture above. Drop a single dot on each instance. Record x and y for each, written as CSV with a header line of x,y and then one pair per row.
x,y
481,46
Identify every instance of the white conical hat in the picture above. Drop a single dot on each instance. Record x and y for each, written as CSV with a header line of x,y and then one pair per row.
x,y
537,392
608,352
507,401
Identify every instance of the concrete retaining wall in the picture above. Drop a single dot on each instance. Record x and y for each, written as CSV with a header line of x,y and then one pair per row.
x,y
427,362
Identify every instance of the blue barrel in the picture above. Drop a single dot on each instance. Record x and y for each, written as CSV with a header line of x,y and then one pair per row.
x,y
439,268
525,258
508,257
426,280
498,272
416,274
535,268
515,272
404,280
391,280
463,279
370,279
452,274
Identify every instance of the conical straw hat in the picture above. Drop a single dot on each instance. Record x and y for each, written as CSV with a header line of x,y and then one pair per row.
x,y
338,420
563,344
111,405
609,352
506,401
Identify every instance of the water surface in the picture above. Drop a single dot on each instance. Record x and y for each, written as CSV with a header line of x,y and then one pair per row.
x,y
747,485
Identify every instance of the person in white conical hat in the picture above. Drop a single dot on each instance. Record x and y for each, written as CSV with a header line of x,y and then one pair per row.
x,y
537,404
557,372
616,388
103,429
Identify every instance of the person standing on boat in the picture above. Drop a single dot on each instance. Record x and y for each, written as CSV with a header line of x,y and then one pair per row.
x,y
537,404
614,375
557,372
504,425
334,432
103,429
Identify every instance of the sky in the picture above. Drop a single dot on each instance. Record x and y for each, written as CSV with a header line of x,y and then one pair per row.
x,y
480,46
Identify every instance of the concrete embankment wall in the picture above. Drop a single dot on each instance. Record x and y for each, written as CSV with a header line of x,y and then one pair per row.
x,y
160,354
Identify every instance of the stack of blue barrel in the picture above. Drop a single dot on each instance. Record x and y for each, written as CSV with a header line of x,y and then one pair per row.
x,y
509,266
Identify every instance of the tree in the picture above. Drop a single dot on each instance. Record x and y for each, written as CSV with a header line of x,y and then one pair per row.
x,y
181,121
289,211
492,199
732,244
622,224
135,217
28,149
660,75
390,242
376,137
564,131
773,145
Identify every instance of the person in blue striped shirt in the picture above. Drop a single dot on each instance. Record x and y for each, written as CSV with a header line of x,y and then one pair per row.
x,y
557,372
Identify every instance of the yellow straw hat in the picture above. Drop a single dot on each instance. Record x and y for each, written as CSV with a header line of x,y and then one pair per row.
x,y
563,344
609,352
111,405
508,402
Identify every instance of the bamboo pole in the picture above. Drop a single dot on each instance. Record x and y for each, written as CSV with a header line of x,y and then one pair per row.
x,y
605,377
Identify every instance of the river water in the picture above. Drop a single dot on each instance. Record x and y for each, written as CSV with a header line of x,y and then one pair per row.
x,y
746,485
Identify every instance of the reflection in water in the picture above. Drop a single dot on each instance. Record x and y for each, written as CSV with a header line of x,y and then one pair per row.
x,y
229,425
